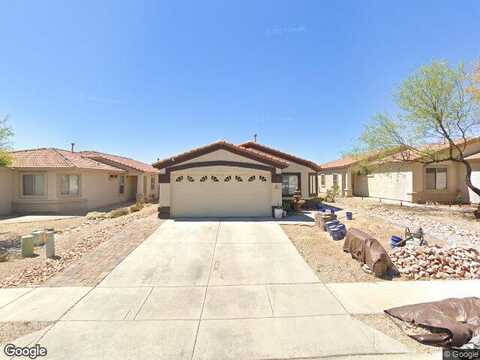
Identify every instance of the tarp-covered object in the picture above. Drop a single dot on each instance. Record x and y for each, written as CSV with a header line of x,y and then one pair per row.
x,y
367,250
453,321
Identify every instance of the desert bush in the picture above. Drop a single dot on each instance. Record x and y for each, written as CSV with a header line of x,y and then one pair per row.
x,y
118,212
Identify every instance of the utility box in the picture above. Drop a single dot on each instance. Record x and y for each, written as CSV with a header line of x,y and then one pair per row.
x,y
38,237
27,246
50,245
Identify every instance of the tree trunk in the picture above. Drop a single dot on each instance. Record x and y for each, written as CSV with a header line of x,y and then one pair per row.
x,y
468,181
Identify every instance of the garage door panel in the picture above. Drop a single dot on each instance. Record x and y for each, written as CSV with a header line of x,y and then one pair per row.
x,y
221,195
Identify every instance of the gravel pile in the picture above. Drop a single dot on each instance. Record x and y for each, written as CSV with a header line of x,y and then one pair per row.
x,y
453,234
434,262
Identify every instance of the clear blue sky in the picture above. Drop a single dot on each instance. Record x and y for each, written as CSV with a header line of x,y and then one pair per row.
x,y
150,79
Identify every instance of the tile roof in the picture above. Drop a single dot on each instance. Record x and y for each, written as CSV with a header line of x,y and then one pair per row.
x,y
280,155
261,157
340,163
56,158
120,160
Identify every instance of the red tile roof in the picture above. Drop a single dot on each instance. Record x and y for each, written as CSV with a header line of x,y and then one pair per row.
x,y
56,158
280,155
340,163
261,157
121,161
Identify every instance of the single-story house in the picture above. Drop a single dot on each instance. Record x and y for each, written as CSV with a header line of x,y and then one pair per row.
x,y
223,179
337,173
49,180
393,178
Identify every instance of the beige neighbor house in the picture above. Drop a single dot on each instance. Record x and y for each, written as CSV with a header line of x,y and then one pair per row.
x,y
49,180
391,178
226,180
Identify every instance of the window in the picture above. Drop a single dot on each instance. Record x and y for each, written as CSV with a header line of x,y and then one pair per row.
x,y
290,184
436,179
33,184
152,183
335,180
121,184
312,184
70,185
322,180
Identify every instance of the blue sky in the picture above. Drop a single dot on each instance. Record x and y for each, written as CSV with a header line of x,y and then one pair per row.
x,y
149,79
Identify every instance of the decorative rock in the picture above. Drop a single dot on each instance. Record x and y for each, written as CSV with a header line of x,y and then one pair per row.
x,y
27,246
437,262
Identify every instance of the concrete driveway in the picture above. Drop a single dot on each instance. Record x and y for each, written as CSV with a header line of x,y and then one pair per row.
x,y
210,290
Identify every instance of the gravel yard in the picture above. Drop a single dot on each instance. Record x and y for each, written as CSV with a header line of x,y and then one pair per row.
x,y
76,238
327,257
453,225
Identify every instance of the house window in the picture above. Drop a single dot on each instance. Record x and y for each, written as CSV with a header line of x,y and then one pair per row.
x,y
152,183
322,180
312,184
70,185
335,180
121,184
33,184
290,184
436,179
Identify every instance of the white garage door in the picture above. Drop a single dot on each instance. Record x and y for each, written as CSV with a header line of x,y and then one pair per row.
x,y
221,195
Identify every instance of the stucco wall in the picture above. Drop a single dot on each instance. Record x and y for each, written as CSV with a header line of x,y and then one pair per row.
x,y
389,181
6,191
344,181
100,190
97,189
221,155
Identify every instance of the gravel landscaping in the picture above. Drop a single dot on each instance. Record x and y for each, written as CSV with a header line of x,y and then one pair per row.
x,y
454,225
76,238
13,330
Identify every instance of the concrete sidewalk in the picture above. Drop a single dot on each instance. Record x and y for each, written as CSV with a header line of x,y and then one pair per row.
x,y
215,290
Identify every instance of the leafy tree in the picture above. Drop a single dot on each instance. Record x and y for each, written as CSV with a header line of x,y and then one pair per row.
x,y
5,134
474,88
437,119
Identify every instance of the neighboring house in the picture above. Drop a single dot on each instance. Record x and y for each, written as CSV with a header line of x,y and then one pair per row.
x,y
142,178
392,178
337,173
49,180
223,179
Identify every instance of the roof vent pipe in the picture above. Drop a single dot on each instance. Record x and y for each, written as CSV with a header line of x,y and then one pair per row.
x,y
73,147
255,137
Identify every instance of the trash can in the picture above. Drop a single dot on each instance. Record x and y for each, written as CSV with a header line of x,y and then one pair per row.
x,y
278,213
349,215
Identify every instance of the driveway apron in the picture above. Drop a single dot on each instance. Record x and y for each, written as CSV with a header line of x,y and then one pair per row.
x,y
214,289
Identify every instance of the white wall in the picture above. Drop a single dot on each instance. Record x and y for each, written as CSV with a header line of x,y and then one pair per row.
x,y
389,181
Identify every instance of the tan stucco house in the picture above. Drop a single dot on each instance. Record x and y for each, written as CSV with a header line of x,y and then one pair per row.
x,y
49,180
223,179
393,178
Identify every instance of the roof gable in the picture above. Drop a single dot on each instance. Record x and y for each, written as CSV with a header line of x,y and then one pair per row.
x,y
220,145
280,155
120,161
